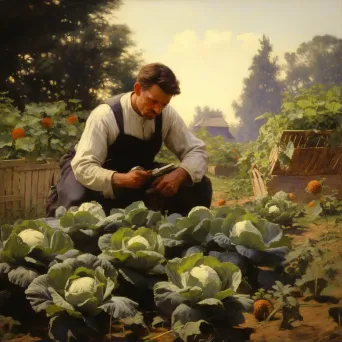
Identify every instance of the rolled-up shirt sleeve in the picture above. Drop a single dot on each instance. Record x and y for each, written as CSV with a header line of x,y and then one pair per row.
x,y
91,151
190,150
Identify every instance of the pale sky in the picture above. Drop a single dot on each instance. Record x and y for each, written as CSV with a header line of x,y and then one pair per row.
x,y
209,44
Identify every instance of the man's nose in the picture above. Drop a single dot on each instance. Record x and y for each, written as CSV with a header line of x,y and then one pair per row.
x,y
157,108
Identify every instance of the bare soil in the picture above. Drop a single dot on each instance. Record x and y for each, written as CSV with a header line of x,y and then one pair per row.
x,y
221,195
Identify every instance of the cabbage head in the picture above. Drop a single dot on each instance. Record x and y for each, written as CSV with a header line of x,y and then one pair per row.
x,y
273,209
142,249
28,248
78,288
199,286
278,208
264,242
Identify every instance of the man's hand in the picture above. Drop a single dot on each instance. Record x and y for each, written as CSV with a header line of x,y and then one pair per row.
x,y
132,179
169,184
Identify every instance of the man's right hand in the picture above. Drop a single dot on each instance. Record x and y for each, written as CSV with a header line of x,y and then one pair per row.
x,y
132,179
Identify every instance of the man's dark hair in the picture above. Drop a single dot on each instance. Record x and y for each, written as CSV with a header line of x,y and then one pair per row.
x,y
160,75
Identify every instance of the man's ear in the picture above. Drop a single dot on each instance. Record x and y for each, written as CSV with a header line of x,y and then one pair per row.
x,y
137,88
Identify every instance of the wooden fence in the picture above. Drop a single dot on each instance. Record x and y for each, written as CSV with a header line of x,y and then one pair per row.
x,y
313,158
24,186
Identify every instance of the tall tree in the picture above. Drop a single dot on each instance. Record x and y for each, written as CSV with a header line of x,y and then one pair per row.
x,y
316,61
62,49
261,92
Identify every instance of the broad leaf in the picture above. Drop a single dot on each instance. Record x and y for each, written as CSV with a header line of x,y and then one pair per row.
x,y
137,216
38,295
167,297
175,267
5,140
58,275
201,212
22,276
120,307
61,243
191,330
134,205
64,328
146,260
184,314
14,249
27,144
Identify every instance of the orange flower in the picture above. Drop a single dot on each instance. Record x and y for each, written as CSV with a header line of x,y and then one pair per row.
x,y
312,204
237,157
314,187
72,119
292,196
47,122
221,202
18,133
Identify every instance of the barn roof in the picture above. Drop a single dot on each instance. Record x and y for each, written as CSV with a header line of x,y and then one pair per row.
x,y
212,122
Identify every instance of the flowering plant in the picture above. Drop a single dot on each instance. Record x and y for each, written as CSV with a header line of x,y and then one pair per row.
x,y
41,130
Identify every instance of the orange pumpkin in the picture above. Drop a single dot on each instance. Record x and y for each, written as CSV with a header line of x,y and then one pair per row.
x,y
314,187
221,202
262,309
311,204
292,196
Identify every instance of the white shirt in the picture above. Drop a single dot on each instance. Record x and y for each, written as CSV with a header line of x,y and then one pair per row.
x,y
101,130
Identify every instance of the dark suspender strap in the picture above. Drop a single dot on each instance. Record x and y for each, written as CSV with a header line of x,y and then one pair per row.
x,y
159,124
115,105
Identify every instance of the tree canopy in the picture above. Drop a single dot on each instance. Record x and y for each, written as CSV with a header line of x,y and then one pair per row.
x,y
62,49
261,92
316,61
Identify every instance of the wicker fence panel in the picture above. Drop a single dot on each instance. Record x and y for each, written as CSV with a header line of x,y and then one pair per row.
x,y
24,186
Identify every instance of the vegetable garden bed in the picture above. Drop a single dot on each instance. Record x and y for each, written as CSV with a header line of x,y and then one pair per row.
x,y
139,275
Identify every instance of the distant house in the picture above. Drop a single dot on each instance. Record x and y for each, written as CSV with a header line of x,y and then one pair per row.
x,y
215,126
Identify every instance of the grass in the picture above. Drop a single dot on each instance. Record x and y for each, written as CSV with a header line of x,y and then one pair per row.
x,y
230,188
221,184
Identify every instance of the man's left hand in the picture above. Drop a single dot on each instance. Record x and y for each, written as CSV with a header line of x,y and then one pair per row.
x,y
169,184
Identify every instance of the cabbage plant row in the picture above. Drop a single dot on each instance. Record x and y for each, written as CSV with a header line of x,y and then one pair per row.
x,y
83,268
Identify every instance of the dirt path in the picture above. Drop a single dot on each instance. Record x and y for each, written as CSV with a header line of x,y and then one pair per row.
x,y
219,195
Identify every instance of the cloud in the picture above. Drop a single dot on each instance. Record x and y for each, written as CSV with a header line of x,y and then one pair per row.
x,y
188,43
210,67
249,41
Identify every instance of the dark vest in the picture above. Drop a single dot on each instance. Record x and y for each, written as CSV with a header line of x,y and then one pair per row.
x,y
128,151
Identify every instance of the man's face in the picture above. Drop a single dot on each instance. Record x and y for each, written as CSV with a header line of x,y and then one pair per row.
x,y
151,101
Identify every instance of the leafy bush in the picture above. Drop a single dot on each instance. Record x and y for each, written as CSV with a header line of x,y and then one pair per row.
x,y
314,108
41,131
